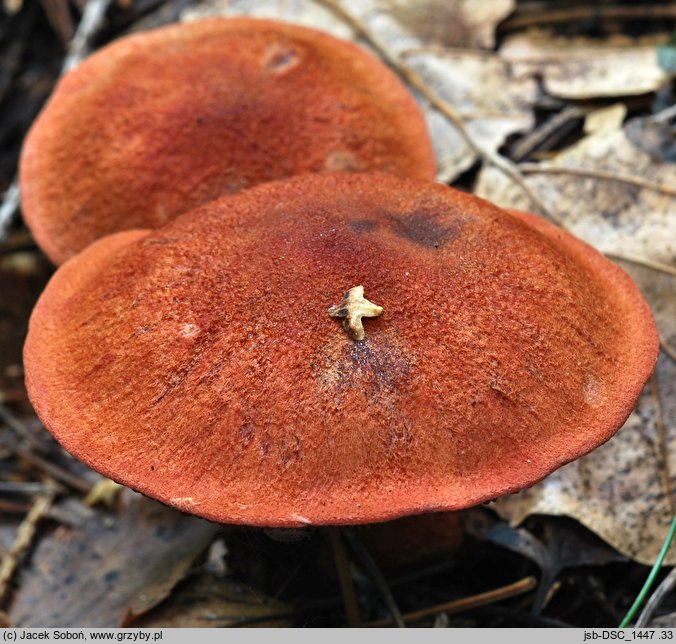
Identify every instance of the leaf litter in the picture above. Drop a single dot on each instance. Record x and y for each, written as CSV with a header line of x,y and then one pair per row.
x,y
210,601
110,567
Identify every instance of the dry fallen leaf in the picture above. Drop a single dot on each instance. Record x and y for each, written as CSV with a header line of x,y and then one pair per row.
x,y
451,23
109,567
208,601
616,217
561,544
605,119
579,68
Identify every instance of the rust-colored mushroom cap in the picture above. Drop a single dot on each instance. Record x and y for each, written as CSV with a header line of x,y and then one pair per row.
x,y
198,363
161,122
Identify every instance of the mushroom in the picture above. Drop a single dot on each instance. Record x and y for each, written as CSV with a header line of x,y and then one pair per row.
x,y
198,363
158,123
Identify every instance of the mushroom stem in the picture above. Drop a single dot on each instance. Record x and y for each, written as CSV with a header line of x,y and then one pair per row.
x,y
352,309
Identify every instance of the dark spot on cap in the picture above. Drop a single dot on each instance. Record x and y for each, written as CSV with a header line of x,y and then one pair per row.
x,y
363,225
422,229
381,367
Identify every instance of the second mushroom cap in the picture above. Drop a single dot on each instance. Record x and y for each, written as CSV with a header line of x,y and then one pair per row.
x,y
163,121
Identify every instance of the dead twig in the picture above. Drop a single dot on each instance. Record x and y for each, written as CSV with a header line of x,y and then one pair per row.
x,y
58,14
466,603
662,442
7,417
344,576
641,261
663,116
30,488
24,537
656,599
416,81
9,207
556,126
51,469
90,23
12,507
592,12
668,349
605,175
376,576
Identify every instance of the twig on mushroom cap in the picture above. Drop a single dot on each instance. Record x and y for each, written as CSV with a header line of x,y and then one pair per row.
x,y
352,309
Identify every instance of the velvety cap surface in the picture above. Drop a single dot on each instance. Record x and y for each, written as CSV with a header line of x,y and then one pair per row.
x,y
160,122
198,364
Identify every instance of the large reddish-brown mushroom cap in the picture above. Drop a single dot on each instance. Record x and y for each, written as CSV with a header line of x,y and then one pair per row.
x,y
158,123
198,363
